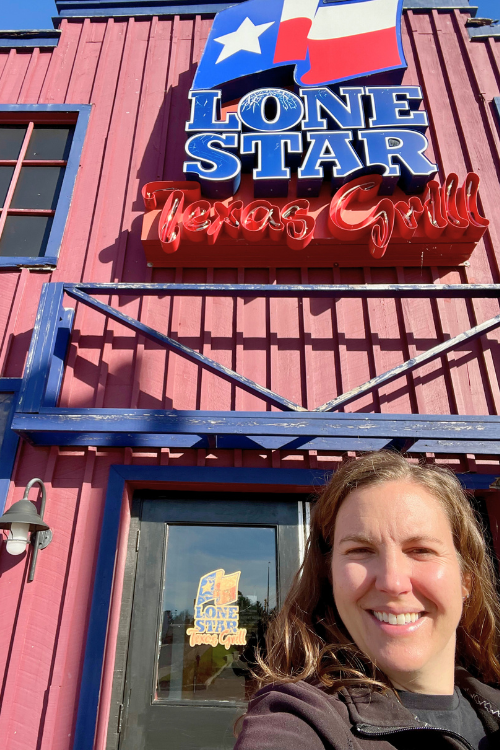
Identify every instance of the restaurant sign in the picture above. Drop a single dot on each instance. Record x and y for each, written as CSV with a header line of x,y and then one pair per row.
x,y
216,616
296,101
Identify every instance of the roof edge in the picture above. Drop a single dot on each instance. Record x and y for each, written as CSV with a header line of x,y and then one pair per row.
x,y
113,8
29,37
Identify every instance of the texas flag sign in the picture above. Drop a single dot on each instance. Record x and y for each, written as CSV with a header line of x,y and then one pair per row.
x,y
328,41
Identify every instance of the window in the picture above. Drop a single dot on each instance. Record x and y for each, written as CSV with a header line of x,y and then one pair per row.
x,y
40,149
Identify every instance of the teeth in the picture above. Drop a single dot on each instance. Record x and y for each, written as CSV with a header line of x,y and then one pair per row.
x,y
402,619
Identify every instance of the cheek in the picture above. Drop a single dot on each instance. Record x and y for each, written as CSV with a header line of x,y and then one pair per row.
x,y
349,580
441,584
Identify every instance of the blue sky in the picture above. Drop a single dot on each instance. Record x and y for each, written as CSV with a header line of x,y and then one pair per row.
x,y
37,14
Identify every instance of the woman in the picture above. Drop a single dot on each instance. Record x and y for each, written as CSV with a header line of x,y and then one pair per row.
x,y
391,629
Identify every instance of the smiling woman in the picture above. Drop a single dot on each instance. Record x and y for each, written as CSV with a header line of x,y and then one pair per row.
x,y
391,629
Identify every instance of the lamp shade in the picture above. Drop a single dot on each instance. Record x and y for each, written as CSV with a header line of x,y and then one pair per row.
x,y
23,512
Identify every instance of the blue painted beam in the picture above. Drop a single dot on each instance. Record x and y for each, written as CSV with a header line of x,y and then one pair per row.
x,y
478,447
133,424
484,32
40,262
259,442
365,291
41,351
268,442
29,38
56,373
185,351
411,364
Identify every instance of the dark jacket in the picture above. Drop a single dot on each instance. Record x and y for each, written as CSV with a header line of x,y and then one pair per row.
x,y
302,716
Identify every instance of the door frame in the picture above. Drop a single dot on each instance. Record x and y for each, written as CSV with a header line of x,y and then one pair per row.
x,y
98,663
104,620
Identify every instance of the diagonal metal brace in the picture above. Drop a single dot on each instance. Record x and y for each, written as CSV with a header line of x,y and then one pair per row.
x,y
185,351
411,364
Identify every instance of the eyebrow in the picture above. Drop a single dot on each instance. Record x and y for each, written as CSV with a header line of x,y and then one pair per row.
x,y
411,540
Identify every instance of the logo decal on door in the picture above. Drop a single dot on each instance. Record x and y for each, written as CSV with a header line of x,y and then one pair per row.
x,y
216,617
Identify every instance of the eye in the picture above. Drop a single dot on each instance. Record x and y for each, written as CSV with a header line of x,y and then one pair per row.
x,y
358,551
421,551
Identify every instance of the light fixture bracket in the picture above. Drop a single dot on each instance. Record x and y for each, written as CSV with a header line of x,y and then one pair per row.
x,y
44,538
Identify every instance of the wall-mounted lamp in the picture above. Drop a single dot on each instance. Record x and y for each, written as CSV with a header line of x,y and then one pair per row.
x,y
20,519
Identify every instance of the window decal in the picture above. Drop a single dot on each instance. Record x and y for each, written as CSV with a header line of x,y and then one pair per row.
x,y
216,617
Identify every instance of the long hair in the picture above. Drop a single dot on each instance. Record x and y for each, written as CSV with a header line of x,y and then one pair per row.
x,y
307,639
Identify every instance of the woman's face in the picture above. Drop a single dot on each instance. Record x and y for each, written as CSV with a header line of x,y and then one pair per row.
x,y
397,583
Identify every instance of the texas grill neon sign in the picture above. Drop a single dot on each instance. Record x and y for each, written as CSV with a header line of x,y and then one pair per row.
x,y
314,97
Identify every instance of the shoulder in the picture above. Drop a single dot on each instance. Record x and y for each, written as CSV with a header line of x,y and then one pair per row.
x,y
295,715
302,697
486,697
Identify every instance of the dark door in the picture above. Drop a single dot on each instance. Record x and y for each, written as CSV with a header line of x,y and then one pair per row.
x,y
211,569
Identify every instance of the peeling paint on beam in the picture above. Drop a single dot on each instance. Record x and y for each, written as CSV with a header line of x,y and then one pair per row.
x,y
365,291
312,425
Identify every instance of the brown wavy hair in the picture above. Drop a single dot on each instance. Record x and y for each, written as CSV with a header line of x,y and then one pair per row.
x,y
307,639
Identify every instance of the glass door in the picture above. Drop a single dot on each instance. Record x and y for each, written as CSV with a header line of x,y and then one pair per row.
x,y
211,571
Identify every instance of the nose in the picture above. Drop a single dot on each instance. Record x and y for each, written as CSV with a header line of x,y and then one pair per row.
x,y
393,575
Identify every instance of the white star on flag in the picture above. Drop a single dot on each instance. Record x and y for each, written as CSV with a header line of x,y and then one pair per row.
x,y
246,37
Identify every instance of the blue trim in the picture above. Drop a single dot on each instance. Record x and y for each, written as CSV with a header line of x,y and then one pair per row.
x,y
484,32
43,262
61,344
29,38
496,105
323,291
96,635
10,440
41,351
478,447
39,422
158,428
296,479
82,112
110,8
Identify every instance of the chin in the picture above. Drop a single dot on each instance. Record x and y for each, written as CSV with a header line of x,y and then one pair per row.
x,y
397,663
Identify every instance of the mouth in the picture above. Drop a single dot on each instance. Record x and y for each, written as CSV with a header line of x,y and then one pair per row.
x,y
405,618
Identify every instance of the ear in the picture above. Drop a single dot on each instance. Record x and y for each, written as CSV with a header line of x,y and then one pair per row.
x,y
466,585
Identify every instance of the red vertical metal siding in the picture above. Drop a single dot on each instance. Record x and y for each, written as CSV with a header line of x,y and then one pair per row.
x,y
136,74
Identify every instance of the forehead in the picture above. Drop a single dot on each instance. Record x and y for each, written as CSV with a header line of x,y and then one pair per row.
x,y
397,508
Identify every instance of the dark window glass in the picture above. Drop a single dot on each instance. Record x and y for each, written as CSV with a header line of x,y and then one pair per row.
x,y
5,178
38,187
50,142
220,591
25,235
11,140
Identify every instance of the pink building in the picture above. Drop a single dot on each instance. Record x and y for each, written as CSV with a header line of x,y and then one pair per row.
x,y
177,429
